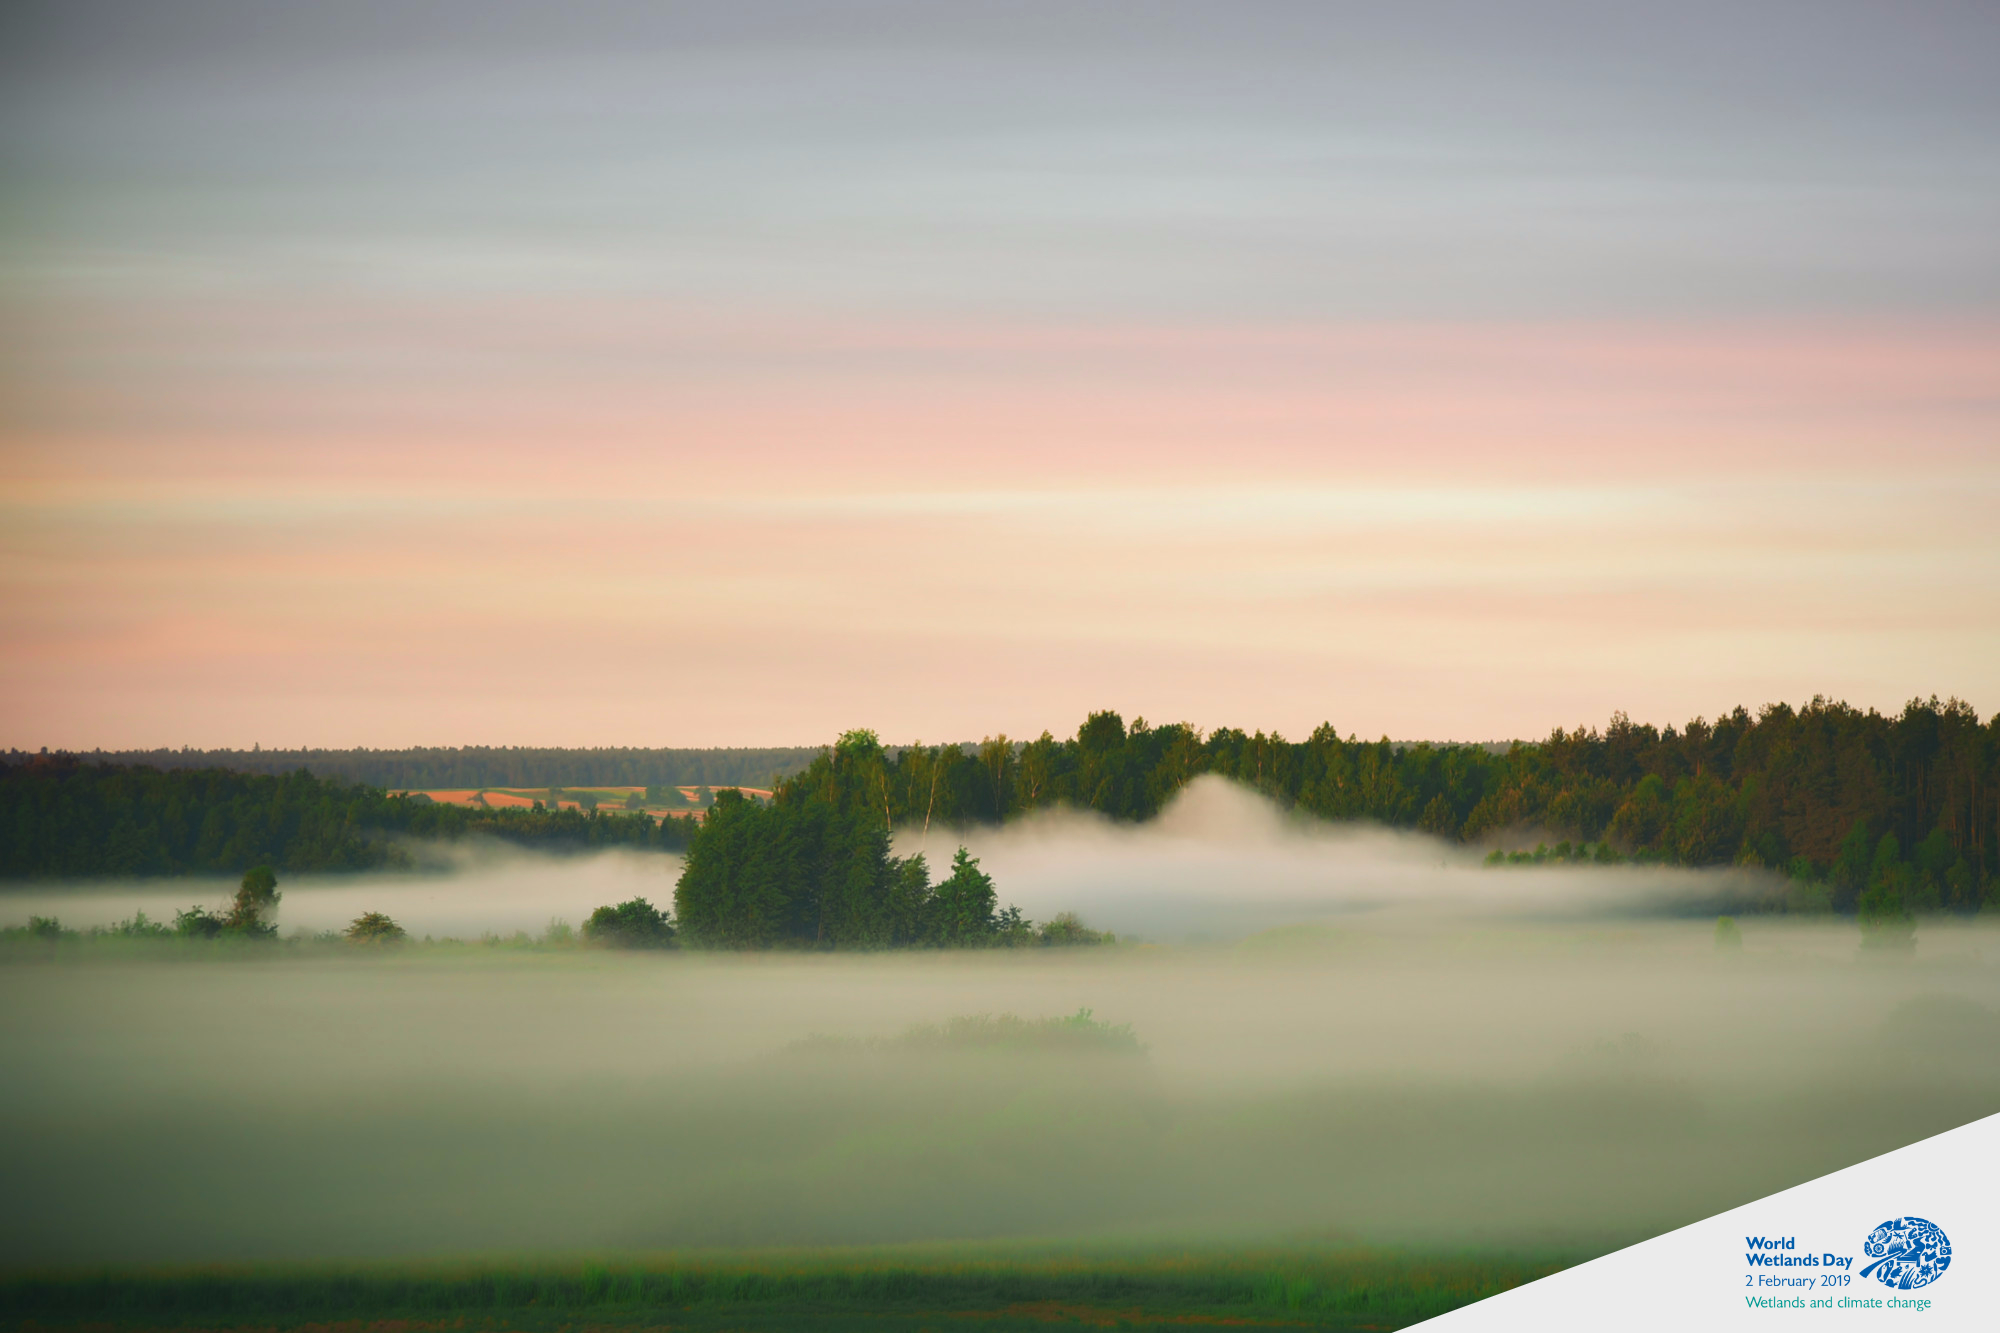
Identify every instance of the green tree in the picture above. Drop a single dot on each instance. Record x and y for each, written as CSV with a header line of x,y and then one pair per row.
x,y
742,877
1438,817
1643,817
962,907
255,903
1852,866
1933,861
1883,910
1706,825
909,900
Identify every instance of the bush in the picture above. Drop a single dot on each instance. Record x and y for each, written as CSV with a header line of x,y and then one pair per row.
x,y
375,928
256,899
198,923
630,925
138,927
1065,928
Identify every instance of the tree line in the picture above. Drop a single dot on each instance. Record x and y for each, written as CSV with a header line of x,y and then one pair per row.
x,y
474,766
64,818
1839,797
1825,792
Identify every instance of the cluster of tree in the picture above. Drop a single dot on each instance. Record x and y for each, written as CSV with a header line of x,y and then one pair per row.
x,y
812,872
813,869
1563,853
486,765
63,818
1797,789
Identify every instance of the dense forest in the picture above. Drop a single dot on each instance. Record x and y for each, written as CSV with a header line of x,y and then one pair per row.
x,y
63,818
485,765
1824,792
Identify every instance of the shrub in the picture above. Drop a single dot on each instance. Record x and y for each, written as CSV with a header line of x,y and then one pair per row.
x,y
45,928
630,925
256,899
375,928
137,928
198,923
1065,928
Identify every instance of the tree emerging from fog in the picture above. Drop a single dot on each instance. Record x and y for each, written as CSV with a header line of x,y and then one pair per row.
x,y
814,868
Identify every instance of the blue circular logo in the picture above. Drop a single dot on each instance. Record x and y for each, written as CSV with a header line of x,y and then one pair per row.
x,y
1908,1253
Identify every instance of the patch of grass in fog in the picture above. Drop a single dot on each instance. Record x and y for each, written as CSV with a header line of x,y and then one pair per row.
x,y
899,1289
1081,1032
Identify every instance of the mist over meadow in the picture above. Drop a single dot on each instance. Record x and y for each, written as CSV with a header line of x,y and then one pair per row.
x,y
1339,1033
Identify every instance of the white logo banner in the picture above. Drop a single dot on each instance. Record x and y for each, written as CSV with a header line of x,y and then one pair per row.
x,y
1904,1240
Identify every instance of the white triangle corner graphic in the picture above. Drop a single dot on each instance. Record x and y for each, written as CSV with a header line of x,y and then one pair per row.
x,y
1809,1257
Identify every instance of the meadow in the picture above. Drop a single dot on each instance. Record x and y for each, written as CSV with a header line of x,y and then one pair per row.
x,y
907,1288
1515,1085
1355,1079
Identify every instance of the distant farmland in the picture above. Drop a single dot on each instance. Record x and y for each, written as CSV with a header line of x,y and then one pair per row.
x,y
493,767
658,801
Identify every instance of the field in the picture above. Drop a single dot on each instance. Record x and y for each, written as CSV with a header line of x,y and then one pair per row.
x,y
913,1289
1356,1119
683,801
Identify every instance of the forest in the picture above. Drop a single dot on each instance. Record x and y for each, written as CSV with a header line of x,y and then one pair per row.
x,y
485,765
64,818
1824,792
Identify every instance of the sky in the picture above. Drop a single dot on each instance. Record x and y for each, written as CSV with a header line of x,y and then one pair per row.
x,y
490,373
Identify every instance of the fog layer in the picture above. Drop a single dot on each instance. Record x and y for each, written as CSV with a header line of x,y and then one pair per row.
x,y
1585,1084
484,889
1221,862
1378,1040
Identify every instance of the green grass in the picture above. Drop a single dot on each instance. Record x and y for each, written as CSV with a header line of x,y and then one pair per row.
x,y
835,1290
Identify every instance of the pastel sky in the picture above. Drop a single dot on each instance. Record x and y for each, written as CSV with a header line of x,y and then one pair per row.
x,y
419,373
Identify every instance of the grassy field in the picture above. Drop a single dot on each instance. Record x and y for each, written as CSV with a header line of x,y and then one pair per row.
x,y
678,801
901,1289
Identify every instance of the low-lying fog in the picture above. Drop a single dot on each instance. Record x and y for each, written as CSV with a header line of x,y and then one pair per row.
x,y
1380,1041
1220,863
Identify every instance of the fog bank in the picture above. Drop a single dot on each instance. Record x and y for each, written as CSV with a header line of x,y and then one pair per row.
x,y
1222,862
481,889
1371,1037
1581,1082
1219,863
